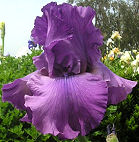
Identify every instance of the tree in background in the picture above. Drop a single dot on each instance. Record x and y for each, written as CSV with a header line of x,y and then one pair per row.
x,y
116,15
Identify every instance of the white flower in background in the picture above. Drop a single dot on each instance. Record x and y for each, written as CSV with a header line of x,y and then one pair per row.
x,y
22,51
116,35
109,41
134,63
111,54
128,52
134,51
137,58
122,66
138,70
126,57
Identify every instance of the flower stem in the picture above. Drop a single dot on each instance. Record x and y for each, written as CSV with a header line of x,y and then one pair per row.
x,y
2,28
2,48
82,139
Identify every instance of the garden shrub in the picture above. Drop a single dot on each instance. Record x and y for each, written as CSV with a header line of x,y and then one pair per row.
x,y
125,115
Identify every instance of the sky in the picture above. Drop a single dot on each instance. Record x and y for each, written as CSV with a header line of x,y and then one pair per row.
x,y
19,16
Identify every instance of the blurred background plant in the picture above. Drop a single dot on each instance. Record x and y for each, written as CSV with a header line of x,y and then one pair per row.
x,y
2,30
128,60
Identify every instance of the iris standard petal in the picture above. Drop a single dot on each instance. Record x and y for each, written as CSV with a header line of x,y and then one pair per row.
x,y
67,106
77,39
64,59
40,61
40,29
118,87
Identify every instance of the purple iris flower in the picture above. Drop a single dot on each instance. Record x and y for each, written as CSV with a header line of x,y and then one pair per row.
x,y
31,44
69,92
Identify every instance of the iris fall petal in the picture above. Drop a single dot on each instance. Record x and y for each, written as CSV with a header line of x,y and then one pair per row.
x,y
118,87
67,106
14,92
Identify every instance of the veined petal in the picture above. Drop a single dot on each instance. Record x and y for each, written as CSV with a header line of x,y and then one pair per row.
x,y
118,87
67,106
40,61
14,92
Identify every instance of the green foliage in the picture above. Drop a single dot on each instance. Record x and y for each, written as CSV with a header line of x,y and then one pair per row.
x,y
133,122
125,115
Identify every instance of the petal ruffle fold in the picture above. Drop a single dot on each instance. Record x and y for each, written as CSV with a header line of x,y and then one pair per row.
x,y
64,59
78,39
14,92
40,30
40,61
118,87
67,106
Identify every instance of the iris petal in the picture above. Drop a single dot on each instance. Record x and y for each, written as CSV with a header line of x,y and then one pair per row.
x,y
40,61
71,42
63,58
40,28
14,92
67,106
118,87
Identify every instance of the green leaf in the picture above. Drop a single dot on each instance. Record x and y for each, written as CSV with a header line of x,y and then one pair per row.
x,y
17,130
33,132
